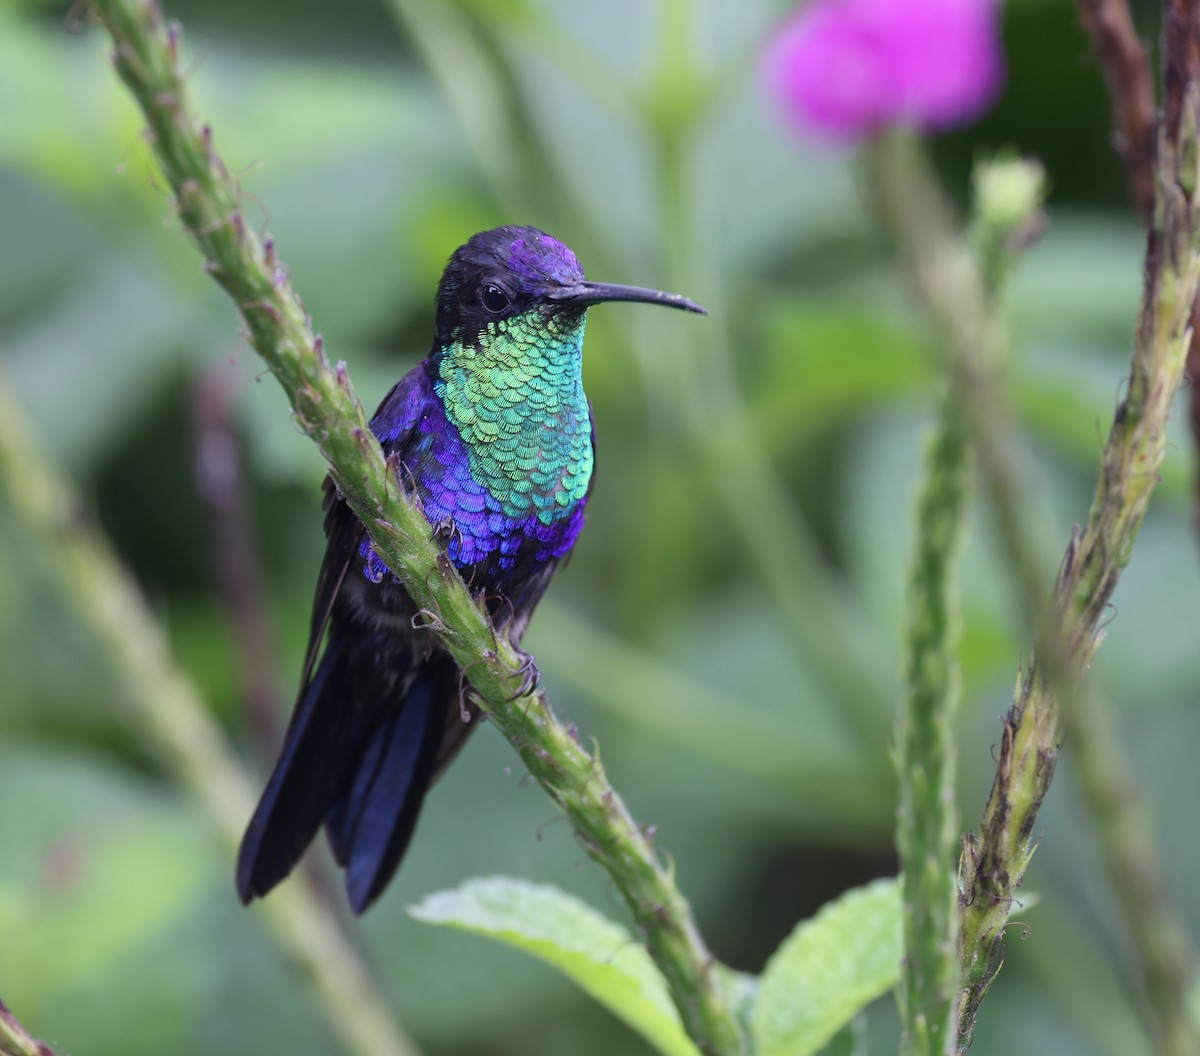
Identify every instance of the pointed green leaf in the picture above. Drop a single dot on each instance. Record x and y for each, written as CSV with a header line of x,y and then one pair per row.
x,y
827,970
599,955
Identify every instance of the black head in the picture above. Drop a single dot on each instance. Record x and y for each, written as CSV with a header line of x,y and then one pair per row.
x,y
508,270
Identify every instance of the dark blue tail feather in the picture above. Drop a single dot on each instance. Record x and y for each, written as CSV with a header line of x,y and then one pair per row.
x,y
369,828
319,744
358,763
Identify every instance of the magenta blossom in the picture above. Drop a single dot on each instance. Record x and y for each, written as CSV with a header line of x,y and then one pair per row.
x,y
847,68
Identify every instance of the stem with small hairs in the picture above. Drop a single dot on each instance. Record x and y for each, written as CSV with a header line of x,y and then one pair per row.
x,y
926,816
327,409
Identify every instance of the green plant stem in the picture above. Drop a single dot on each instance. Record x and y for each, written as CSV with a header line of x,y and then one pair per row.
x,y
963,285
15,1040
1166,954
162,706
327,409
1067,624
927,819
950,280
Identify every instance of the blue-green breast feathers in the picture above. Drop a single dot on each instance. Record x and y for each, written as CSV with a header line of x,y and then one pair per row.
x,y
516,397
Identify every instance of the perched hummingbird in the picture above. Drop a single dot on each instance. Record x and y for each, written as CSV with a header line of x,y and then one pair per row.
x,y
493,435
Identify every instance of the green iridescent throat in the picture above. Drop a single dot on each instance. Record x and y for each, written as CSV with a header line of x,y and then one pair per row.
x,y
517,400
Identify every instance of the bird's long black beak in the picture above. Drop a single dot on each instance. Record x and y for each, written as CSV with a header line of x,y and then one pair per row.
x,y
585,293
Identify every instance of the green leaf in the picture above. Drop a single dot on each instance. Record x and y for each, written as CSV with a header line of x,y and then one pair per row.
x,y
599,955
827,970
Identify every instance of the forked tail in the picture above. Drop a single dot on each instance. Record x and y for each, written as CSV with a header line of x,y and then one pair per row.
x,y
358,763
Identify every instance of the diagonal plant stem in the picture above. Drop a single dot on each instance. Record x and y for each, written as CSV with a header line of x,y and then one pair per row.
x,y
15,1040
1127,73
1166,954
994,863
164,707
480,82
327,409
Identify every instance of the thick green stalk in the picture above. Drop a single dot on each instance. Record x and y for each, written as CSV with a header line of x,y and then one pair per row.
x,y
164,707
927,819
967,281
327,409
958,282
950,278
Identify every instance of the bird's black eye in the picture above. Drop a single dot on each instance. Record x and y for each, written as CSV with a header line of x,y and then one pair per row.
x,y
495,300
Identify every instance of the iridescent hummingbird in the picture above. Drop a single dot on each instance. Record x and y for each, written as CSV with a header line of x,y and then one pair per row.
x,y
493,435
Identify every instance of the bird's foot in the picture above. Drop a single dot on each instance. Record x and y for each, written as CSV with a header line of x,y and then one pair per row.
x,y
446,531
528,672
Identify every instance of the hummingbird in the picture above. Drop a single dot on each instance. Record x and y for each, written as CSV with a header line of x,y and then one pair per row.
x,y
492,435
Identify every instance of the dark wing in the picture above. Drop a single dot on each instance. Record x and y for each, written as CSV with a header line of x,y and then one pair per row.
x,y
393,425
345,533
341,712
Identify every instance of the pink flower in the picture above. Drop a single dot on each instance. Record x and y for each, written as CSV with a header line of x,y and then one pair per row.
x,y
846,68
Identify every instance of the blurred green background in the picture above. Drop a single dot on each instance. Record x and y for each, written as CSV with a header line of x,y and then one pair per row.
x,y
738,712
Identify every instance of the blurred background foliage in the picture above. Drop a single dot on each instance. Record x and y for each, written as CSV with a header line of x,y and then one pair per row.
x,y
729,626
